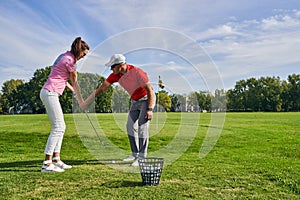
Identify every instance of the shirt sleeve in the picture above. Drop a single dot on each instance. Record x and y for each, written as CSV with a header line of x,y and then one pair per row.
x,y
70,65
142,77
111,78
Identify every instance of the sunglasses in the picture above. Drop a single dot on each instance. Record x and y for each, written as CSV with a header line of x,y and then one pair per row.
x,y
113,66
83,53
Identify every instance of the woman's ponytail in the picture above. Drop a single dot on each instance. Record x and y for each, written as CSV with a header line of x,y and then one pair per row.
x,y
78,46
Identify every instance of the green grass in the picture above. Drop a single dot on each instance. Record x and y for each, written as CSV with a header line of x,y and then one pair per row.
x,y
256,157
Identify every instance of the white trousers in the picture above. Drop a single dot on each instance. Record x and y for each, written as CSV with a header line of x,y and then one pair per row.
x,y
55,114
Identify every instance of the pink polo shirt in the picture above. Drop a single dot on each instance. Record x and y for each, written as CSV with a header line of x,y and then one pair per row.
x,y
60,72
133,81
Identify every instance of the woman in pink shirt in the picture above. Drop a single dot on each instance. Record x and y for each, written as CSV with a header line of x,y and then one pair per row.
x,y
63,69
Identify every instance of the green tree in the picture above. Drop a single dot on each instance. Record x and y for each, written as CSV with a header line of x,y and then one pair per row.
x,y
263,94
164,100
293,92
1,103
285,96
192,102
218,102
121,100
252,95
178,103
8,89
270,91
204,100
236,97
104,101
230,100
28,94
88,83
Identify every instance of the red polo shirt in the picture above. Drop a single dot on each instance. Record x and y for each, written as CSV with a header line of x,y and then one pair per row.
x,y
133,81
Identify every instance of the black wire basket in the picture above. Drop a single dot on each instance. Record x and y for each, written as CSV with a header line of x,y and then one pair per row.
x,y
151,170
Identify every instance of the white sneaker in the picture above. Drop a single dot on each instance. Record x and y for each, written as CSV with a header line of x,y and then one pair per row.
x,y
62,165
130,158
51,168
135,163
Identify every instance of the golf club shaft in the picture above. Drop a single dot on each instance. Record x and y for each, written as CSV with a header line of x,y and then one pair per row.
x,y
93,127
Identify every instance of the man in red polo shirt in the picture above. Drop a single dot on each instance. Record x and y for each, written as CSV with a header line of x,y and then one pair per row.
x,y
136,82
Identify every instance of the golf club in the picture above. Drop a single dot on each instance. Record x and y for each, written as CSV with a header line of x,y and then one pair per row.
x,y
103,144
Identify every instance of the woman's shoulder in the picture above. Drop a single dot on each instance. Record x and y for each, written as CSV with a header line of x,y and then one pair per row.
x,y
66,58
68,55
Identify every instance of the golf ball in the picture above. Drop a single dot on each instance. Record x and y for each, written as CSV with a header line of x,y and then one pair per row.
x,y
113,162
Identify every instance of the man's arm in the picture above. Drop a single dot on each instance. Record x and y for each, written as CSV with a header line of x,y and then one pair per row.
x,y
151,103
93,95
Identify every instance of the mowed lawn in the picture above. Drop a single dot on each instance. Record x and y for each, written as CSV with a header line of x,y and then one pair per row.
x,y
256,157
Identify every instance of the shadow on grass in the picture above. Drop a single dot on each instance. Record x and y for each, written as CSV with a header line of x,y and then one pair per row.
x,y
20,166
122,184
35,165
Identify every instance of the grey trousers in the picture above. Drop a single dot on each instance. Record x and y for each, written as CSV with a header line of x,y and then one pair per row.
x,y
138,128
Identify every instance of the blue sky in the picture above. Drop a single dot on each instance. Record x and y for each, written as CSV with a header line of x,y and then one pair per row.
x,y
236,39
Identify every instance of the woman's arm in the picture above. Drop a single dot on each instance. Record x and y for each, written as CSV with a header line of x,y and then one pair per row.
x,y
75,87
69,87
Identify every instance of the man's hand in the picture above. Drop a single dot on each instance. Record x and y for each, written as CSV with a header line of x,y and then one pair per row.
x,y
149,114
82,105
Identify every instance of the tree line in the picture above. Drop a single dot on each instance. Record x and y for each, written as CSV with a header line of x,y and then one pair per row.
x,y
24,97
262,94
265,94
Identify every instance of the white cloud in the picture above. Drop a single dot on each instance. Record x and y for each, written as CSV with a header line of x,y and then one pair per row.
x,y
242,40
280,22
255,47
28,42
219,32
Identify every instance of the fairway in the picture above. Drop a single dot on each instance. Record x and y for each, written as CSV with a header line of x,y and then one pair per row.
x,y
256,157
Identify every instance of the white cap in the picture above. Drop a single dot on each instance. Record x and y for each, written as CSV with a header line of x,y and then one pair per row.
x,y
116,59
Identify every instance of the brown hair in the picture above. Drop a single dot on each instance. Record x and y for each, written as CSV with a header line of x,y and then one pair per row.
x,y
78,46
